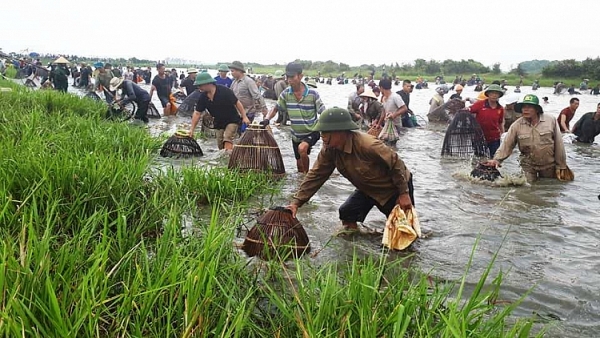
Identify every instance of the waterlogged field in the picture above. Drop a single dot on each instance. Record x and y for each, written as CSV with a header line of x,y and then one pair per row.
x,y
91,245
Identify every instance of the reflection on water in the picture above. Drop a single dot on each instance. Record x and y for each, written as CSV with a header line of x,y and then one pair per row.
x,y
550,228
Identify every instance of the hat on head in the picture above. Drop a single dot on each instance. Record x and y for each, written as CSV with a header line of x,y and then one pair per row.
x,y
192,70
458,87
237,65
495,88
531,100
442,89
311,83
481,96
61,60
99,64
510,99
335,119
278,74
203,78
368,93
224,68
293,68
115,82
376,89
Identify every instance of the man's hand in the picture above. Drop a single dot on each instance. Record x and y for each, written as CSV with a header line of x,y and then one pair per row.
x,y
293,208
404,202
246,120
191,133
491,163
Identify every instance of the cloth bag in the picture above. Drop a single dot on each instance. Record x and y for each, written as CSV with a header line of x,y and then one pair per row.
x,y
401,229
389,132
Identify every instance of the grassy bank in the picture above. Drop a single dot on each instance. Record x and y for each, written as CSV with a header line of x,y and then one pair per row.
x,y
91,245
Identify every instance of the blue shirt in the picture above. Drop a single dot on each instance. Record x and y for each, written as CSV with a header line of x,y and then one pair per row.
x,y
223,81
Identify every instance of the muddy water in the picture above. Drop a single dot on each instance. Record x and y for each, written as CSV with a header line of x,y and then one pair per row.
x,y
546,234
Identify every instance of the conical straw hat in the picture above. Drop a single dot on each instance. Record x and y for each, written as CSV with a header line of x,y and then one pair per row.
x,y
61,60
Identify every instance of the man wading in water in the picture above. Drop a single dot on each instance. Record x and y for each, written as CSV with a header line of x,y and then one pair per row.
x,y
162,84
379,175
222,104
246,91
303,106
539,140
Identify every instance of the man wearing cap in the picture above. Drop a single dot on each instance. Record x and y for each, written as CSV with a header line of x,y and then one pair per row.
x,y
303,106
489,113
247,91
223,105
222,79
188,83
588,127
379,175
132,93
539,140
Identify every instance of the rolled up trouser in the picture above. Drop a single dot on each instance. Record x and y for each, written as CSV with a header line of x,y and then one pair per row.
x,y
358,205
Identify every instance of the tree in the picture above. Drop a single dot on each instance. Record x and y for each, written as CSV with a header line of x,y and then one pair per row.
x,y
496,68
518,71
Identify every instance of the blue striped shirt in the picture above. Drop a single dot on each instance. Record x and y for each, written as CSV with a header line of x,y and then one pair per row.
x,y
303,113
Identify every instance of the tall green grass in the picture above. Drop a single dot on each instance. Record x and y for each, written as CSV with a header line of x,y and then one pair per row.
x,y
91,245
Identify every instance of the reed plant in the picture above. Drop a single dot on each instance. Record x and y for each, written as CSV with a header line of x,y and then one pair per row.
x,y
91,245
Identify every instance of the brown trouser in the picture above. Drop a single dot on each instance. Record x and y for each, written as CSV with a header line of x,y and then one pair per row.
x,y
532,174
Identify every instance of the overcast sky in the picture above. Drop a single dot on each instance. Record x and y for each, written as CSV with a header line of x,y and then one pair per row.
x,y
354,32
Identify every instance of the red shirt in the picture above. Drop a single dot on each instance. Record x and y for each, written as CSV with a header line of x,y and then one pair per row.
x,y
569,116
490,119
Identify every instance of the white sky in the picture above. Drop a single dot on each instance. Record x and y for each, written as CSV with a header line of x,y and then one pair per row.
x,y
354,32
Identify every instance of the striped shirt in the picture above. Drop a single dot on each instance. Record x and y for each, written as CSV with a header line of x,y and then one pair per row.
x,y
304,113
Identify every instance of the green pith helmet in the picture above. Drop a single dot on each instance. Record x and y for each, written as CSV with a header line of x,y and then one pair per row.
x,y
494,88
278,74
335,119
223,68
203,78
529,99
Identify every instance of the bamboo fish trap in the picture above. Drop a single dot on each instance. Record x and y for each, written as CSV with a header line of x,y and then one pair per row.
x,y
276,234
257,150
181,145
464,137
152,112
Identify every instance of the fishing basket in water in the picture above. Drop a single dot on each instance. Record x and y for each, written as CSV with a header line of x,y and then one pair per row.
x,y
464,137
93,96
121,112
181,145
276,234
152,112
257,150
485,173
30,83
187,107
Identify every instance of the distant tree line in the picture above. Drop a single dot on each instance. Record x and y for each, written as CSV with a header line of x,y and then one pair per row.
x,y
588,68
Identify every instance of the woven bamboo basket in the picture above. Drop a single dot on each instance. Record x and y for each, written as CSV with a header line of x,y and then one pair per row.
x,y
464,137
277,234
152,112
181,145
257,150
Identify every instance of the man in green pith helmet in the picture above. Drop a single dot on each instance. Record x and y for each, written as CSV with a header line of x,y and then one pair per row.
x,y
223,105
539,139
222,79
379,175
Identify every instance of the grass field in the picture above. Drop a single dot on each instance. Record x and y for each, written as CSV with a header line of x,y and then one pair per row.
x,y
91,245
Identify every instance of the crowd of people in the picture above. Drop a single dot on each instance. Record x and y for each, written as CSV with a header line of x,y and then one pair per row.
x,y
381,178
